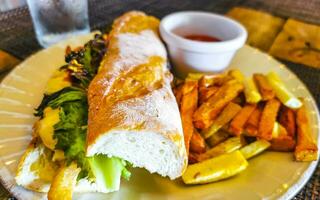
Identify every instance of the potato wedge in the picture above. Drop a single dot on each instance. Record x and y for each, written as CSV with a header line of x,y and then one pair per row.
x,y
283,143
193,158
208,111
250,91
206,92
225,116
215,169
306,149
195,76
254,118
177,91
238,122
268,118
252,124
288,120
214,80
63,183
254,148
264,87
282,92
197,143
228,146
236,74
218,137
250,131
189,103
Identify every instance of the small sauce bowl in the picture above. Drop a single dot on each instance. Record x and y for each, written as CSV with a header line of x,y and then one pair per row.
x,y
201,56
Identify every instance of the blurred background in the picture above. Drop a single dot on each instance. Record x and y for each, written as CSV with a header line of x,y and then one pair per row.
x,y
11,4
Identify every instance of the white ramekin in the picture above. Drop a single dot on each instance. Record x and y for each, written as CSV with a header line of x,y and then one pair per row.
x,y
195,56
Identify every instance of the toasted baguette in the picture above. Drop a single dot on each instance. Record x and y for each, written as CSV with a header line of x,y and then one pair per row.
x,y
133,114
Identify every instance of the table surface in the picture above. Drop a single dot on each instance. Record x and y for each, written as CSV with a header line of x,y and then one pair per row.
x,y
17,37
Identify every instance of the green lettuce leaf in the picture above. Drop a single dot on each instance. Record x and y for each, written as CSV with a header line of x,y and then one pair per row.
x,y
108,171
71,132
56,99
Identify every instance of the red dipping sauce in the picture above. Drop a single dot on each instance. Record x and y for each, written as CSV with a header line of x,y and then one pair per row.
x,y
202,38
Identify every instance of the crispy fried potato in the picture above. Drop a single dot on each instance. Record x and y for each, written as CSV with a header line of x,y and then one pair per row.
x,y
268,118
189,103
251,92
236,74
177,91
206,92
208,111
215,169
225,116
197,143
214,80
254,148
193,158
218,137
227,146
63,183
282,92
264,87
288,120
251,131
306,149
238,122
283,143
252,125
255,117
195,76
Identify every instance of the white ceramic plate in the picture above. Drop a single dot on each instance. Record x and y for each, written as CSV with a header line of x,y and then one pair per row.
x,y
269,176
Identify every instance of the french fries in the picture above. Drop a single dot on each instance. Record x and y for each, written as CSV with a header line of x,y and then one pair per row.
x,y
208,111
250,91
193,158
189,102
218,137
281,91
215,169
283,143
63,183
227,146
255,117
252,124
197,143
226,115
236,125
236,74
206,92
268,118
306,149
214,80
254,148
237,116
194,76
177,91
264,87
288,120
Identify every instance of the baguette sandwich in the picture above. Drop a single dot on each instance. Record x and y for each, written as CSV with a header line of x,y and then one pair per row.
x,y
133,114
110,107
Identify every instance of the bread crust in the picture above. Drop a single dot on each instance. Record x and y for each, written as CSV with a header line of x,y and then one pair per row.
x,y
116,105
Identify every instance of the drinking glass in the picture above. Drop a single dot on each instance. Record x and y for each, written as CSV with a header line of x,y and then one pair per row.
x,y
55,20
